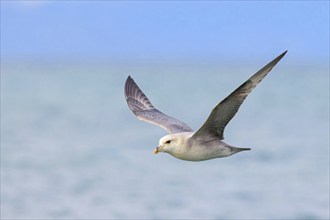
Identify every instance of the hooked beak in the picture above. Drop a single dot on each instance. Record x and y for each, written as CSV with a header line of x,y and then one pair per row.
x,y
158,149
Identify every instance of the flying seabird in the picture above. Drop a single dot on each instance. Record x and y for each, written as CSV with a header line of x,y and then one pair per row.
x,y
207,142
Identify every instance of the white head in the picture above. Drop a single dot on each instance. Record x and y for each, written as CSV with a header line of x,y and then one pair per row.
x,y
172,143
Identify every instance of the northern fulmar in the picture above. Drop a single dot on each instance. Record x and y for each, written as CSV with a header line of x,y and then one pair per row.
x,y
207,142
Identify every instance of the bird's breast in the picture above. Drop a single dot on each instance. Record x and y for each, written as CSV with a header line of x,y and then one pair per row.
x,y
197,151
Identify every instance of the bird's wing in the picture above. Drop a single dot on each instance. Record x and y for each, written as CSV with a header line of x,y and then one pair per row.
x,y
227,108
143,109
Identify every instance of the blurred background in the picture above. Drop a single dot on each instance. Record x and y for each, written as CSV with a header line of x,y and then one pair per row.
x,y
71,148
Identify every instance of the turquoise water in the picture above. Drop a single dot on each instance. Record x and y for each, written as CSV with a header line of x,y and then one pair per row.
x,y
71,148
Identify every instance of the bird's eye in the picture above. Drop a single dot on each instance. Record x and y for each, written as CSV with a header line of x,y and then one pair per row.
x,y
168,142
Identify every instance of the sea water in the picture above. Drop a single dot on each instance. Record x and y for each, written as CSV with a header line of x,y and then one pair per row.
x,y
71,148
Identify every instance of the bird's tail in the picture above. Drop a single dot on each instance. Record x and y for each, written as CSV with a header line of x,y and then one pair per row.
x,y
239,149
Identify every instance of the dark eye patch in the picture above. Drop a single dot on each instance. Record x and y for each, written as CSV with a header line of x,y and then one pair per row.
x,y
168,142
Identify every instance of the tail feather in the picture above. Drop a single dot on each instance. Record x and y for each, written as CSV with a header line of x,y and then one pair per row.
x,y
238,149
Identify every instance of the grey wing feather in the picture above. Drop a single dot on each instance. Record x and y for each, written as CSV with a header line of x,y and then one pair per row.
x,y
143,109
221,115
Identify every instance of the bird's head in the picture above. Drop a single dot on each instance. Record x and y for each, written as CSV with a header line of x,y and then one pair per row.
x,y
173,144
167,144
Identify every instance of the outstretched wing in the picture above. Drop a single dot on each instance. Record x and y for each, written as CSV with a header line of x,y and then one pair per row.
x,y
227,108
143,109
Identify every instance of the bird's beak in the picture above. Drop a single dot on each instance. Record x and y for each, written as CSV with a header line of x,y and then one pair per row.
x,y
158,149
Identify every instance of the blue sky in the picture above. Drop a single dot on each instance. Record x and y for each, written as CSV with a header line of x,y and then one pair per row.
x,y
165,30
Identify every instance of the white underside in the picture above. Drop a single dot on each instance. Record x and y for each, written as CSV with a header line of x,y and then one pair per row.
x,y
186,148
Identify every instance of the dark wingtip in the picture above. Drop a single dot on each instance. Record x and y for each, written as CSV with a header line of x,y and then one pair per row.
x,y
272,63
279,57
282,55
129,80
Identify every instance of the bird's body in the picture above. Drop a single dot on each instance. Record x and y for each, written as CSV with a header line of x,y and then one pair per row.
x,y
207,142
184,147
